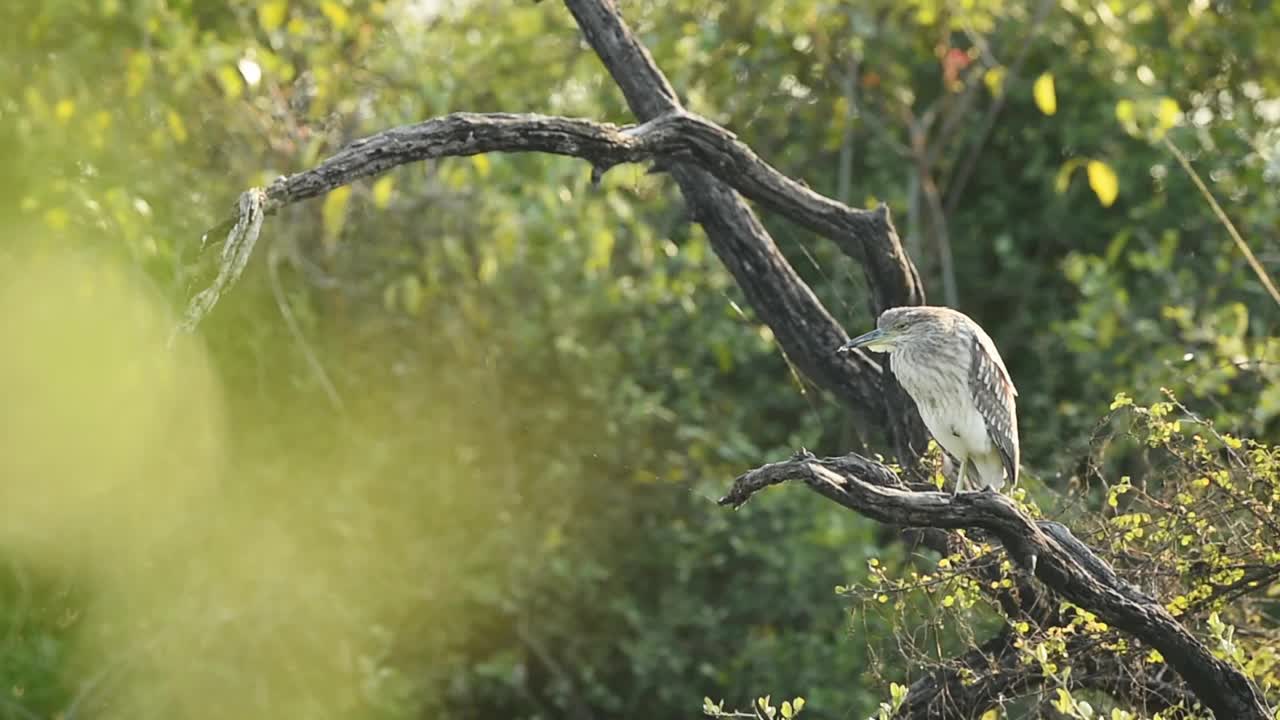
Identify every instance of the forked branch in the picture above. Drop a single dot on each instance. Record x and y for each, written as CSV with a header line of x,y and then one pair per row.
x,y
1048,550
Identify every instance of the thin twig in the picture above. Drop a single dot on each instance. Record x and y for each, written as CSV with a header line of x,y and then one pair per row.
x,y
1226,221
286,312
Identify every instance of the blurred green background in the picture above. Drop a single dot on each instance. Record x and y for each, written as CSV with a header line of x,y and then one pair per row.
x,y
451,445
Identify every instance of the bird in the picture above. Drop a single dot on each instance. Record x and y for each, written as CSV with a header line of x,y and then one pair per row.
x,y
951,369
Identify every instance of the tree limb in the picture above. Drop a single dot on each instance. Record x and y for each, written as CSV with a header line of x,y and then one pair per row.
x,y
801,324
1068,568
804,328
676,135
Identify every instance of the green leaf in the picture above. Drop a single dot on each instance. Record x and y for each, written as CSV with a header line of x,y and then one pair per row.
x,y
411,294
1046,97
1103,181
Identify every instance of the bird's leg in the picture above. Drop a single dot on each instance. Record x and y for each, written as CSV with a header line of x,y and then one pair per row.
x,y
964,466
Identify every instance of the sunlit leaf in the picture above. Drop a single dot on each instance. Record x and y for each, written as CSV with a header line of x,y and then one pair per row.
x,y
271,14
137,73
1103,181
57,218
176,126
990,714
1045,95
1063,180
601,249
481,164
229,80
334,215
382,191
64,110
1127,113
337,14
1167,112
994,80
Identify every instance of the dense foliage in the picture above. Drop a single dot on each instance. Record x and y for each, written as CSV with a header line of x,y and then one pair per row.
x,y
452,443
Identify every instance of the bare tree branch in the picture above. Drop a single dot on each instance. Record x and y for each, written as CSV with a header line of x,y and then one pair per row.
x,y
801,324
709,163
675,135
804,328
1067,567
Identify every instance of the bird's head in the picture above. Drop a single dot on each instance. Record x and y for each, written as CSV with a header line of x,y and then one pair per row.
x,y
900,326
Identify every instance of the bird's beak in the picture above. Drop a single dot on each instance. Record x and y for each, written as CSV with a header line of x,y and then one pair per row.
x,y
876,340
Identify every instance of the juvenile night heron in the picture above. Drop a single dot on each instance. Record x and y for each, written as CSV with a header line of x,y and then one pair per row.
x,y
953,372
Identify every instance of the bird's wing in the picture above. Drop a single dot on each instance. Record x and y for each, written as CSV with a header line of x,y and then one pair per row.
x,y
993,394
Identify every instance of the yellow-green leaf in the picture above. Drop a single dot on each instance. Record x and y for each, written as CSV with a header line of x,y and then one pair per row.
x,y
1125,111
787,711
481,163
271,14
64,110
336,14
411,294
1103,181
229,80
137,73
382,192
1063,179
990,714
1127,114
334,215
994,79
57,218
1045,95
1167,114
177,127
